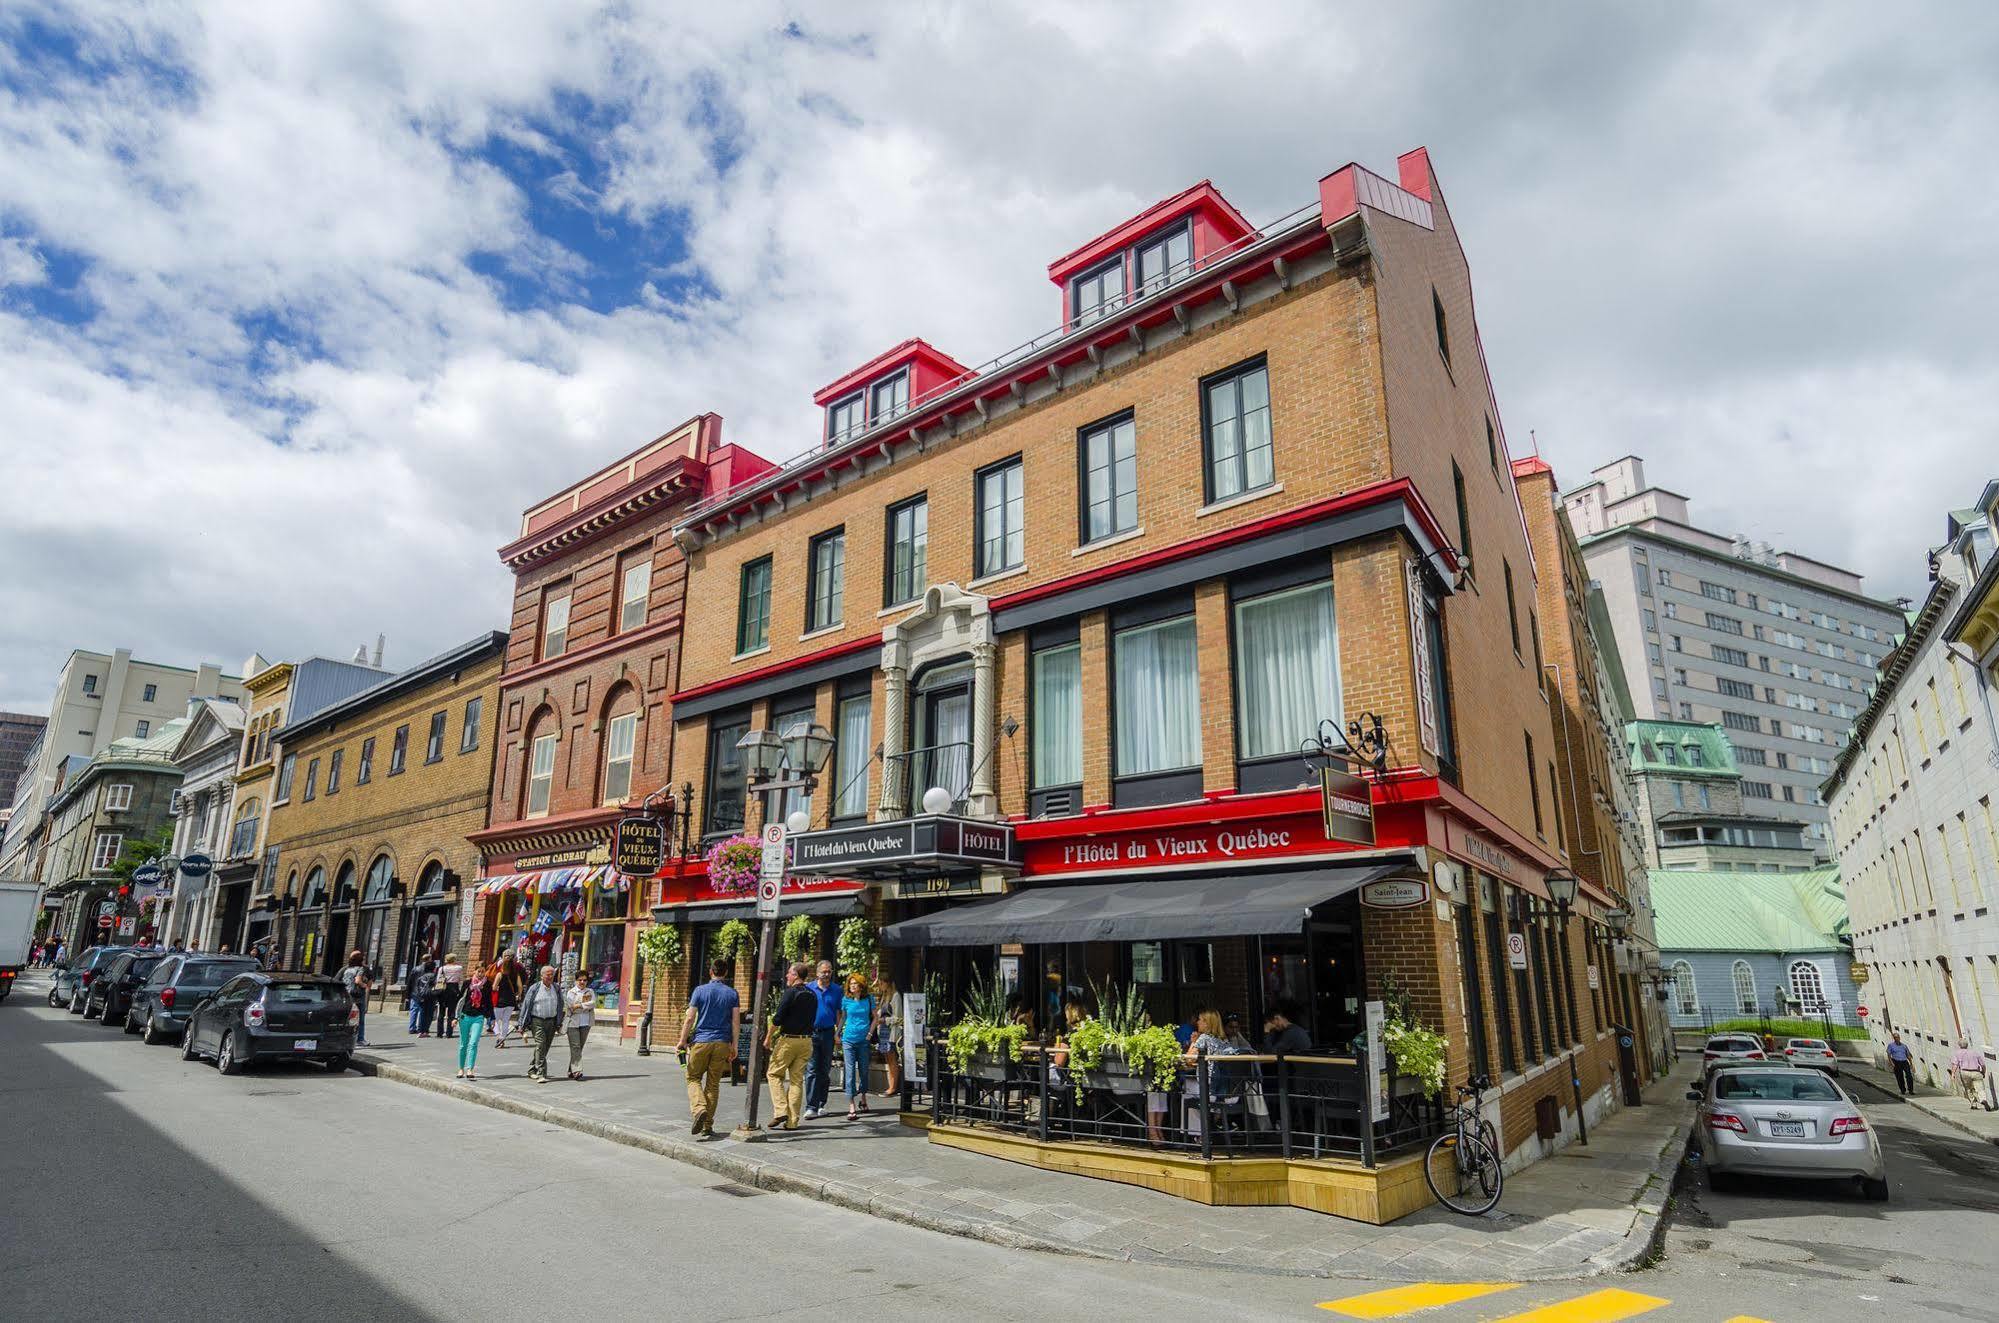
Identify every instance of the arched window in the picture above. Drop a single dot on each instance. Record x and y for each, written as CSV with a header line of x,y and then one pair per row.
x,y
343,884
1807,987
538,782
621,735
380,874
430,882
1745,988
1689,1001
315,889
243,836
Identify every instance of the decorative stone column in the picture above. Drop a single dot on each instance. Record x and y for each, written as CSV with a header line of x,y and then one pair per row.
x,y
895,730
980,800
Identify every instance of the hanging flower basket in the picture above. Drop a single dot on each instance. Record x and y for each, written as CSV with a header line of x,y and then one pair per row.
x,y
733,865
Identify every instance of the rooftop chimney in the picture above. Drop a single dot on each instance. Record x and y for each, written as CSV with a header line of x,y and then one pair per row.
x,y
380,641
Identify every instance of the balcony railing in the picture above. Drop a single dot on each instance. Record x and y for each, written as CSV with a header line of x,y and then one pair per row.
x,y
1218,1106
1152,292
947,765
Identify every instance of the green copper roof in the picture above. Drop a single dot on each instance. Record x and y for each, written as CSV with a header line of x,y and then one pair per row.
x,y
1683,748
1749,911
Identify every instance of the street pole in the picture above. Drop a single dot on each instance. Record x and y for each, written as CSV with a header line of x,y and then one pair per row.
x,y
749,1129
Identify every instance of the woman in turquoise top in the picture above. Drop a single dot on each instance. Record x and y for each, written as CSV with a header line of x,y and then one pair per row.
x,y
857,1026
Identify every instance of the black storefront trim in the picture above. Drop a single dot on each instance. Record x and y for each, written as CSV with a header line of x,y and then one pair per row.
x,y
1206,904
919,846
1251,554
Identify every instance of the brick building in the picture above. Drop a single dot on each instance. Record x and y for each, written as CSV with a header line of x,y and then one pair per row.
x,y
1071,615
599,596
373,799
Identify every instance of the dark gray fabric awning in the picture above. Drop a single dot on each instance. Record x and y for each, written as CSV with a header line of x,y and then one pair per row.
x,y
846,903
1145,909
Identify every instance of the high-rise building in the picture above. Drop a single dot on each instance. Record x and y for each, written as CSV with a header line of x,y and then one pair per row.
x,y
19,734
1775,647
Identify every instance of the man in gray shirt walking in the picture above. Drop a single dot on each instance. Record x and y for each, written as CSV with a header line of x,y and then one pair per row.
x,y
541,1013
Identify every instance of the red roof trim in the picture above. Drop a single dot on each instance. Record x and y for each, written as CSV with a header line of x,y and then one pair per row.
x,y
1202,196
1531,464
728,682
907,352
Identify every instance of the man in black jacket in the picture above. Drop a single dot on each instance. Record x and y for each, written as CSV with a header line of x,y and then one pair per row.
x,y
790,1043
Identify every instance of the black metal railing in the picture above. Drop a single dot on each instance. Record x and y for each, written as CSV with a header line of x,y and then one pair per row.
x,y
1216,1106
947,765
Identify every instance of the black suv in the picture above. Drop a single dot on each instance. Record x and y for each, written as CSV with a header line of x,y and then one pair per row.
x,y
111,991
74,982
257,1016
176,986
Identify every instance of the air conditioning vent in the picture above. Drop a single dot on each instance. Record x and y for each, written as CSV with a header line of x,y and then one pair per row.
x,y
1058,802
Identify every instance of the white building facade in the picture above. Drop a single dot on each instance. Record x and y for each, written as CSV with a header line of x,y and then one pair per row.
x,y
204,810
1775,647
1915,810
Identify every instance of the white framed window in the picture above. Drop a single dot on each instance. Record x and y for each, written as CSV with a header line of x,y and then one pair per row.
x,y
104,850
620,737
850,753
1686,997
1808,987
541,774
1744,979
468,734
555,626
118,797
1287,669
632,598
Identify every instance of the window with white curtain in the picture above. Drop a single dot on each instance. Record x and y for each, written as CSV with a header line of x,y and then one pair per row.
x,y
1158,698
1287,669
1057,716
541,774
851,754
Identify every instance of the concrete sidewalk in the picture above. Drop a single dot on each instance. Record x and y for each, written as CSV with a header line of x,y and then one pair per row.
x,y
1944,1105
1586,1211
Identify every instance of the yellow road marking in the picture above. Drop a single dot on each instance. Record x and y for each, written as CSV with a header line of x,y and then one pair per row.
x,y
1596,1307
1400,1300
1746,1318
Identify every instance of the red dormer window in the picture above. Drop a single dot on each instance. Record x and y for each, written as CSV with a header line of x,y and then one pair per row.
x,y
884,388
1154,249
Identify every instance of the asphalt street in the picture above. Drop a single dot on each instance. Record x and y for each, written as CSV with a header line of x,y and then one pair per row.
x,y
134,1181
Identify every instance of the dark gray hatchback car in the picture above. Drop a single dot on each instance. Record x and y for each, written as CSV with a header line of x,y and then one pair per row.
x,y
259,1016
175,987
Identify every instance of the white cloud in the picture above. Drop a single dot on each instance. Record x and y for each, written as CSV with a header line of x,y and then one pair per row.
x,y
1747,244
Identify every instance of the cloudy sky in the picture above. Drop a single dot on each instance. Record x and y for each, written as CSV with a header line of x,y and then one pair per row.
x,y
301,304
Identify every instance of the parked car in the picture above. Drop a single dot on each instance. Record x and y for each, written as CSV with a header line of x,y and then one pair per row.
x,y
1790,1121
1813,1052
1732,1050
177,984
258,1016
111,991
72,982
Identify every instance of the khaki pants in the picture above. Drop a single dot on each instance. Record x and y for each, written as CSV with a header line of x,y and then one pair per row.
x,y
1969,1084
788,1059
705,1064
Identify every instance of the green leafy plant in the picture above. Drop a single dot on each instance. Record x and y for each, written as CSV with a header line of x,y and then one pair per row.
x,y
1152,1054
660,948
969,1039
799,938
985,1001
1419,1052
1121,1009
733,940
854,946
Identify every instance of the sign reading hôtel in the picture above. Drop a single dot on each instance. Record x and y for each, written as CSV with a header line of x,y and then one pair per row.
x,y
1202,844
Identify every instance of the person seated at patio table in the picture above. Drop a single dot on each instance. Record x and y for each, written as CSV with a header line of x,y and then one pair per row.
x,y
1280,1036
1233,1035
1223,1089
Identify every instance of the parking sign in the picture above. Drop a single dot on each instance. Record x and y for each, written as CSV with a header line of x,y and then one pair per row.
x,y
770,877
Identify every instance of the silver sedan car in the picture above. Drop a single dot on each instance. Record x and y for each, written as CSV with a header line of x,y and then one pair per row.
x,y
1785,1121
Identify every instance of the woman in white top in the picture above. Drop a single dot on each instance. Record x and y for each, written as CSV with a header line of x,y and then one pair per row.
x,y
581,1004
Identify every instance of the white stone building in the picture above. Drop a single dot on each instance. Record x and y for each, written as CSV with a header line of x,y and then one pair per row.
x,y
209,751
1915,812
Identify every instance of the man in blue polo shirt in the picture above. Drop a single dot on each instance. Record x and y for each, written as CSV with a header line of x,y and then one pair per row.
x,y
819,1074
714,1018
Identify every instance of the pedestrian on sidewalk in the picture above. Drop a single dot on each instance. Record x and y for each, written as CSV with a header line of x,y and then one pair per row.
x,y
507,988
856,1026
1967,1067
354,978
472,1013
450,986
581,1004
888,1034
541,1012
714,1019
789,1040
819,1075
423,984
1898,1057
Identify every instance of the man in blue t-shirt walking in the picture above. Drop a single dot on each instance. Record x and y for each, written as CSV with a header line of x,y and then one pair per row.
x,y
819,1075
714,1019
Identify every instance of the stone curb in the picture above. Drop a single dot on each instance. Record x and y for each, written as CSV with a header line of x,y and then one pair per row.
x,y
1920,1104
1640,1243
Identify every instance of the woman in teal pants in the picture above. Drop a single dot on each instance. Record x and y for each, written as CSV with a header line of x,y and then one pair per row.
x,y
472,1016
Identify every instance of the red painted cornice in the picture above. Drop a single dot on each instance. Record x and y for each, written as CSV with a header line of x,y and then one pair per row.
x,y
502,832
729,682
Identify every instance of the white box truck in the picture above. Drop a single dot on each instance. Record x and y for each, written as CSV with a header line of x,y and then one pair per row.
x,y
17,930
